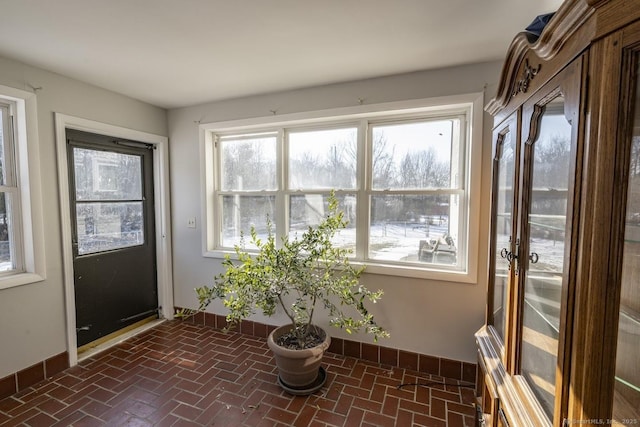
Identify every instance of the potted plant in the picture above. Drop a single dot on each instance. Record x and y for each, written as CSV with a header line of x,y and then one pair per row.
x,y
299,276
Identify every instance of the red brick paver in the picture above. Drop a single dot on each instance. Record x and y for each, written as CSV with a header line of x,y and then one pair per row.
x,y
181,374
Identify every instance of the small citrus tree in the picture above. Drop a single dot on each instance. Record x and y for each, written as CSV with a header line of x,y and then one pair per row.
x,y
299,275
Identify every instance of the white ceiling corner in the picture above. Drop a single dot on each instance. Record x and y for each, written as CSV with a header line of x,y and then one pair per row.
x,y
178,53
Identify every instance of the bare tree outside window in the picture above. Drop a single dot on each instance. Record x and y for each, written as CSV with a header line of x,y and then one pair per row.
x,y
322,159
249,164
248,180
407,174
410,215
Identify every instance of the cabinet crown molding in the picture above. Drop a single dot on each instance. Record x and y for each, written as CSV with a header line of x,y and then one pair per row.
x,y
526,55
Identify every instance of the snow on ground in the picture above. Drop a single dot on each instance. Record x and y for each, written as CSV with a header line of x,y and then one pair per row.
x,y
400,241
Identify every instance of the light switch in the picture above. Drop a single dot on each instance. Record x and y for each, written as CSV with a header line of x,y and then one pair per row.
x,y
191,222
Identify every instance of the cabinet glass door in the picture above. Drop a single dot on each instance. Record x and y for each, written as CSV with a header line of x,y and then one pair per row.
x,y
504,176
626,404
549,160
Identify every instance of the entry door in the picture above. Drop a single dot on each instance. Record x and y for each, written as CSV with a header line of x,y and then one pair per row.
x,y
113,232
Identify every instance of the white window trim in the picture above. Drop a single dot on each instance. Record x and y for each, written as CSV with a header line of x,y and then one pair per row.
x,y
28,169
473,101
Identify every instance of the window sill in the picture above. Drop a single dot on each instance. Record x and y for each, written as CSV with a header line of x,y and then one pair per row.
x,y
417,272
380,268
19,279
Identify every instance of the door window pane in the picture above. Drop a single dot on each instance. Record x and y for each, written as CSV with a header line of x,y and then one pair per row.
x,y
546,222
108,226
248,163
103,175
626,403
413,228
502,231
240,213
323,159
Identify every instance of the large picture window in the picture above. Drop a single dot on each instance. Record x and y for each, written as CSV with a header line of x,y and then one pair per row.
x,y
401,178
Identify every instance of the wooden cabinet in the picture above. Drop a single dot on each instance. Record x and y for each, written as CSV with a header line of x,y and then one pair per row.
x,y
561,344
626,390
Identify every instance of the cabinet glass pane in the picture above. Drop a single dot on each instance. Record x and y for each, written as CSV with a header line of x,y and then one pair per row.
x,y
502,230
550,165
626,404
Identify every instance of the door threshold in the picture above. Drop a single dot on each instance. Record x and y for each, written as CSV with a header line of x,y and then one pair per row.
x,y
89,350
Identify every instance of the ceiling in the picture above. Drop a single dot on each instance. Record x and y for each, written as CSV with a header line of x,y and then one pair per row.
x,y
174,53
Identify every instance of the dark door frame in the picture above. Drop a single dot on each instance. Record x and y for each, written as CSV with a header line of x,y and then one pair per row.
x,y
163,227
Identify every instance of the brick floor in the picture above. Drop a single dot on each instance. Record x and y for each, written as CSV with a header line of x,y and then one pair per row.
x,y
181,374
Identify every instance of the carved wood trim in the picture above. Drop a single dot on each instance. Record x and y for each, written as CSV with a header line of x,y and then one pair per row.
x,y
571,16
528,74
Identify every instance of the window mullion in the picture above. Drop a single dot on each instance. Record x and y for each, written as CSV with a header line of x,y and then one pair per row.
x,y
216,181
248,193
363,168
282,185
460,152
429,192
7,136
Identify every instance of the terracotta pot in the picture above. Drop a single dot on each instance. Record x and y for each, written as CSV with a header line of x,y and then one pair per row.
x,y
299,369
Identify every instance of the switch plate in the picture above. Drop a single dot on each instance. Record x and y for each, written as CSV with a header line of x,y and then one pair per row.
x,y
191,223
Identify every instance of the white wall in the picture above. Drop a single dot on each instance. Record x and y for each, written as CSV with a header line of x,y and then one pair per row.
x,y
32,317
436,318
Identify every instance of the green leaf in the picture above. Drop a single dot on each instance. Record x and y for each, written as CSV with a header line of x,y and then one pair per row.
x,y
309,269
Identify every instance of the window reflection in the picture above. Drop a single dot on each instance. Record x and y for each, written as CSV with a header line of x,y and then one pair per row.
x,y
504,212
108,226
546,222
626,404
109,207
104,175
